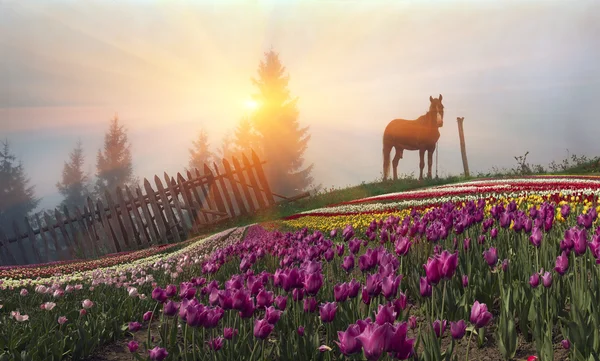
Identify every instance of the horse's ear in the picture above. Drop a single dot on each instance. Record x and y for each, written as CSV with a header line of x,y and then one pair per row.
x,y
431,98
440,97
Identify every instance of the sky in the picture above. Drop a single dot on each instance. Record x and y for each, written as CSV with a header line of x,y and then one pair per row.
x,y
524,74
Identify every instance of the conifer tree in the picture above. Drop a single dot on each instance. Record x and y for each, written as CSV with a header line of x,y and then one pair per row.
x,y
246,139
114,166
283,140
200,154
17,198
74,186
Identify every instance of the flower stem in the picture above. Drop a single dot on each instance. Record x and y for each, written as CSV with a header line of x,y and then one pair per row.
x,y
469,345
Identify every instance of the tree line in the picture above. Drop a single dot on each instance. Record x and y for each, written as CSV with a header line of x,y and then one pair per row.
x,y
273,131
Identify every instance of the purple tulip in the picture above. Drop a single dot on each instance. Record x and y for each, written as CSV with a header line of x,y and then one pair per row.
x,y
536,237
565,210
432,270
171,290
373,284
439,327
327,311
300,331
449,263
458,329
547,279
562,264
229,333
133,346
262,329
170,308
354,246
534,280
341,292
465,281
215,344
505,265
310,304
480,316
581,242
159,295
400,303
402,246
397,343
339,249
366,299
347,340
467,243
134,326
264,299
272,315
385,314
425,287
158,354
313,283
494,233
333,233
298,294
347,233
389,286
348,263
354,288
373,340
412,322
566,344
281,302
491,256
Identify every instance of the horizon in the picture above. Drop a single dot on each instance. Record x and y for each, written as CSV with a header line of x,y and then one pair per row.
x,y
69,68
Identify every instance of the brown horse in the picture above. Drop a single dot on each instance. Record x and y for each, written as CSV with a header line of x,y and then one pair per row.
x,y
421,134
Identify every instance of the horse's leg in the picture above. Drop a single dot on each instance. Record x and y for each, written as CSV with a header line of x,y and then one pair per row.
x,y
397,157
421,163
429,162
387,149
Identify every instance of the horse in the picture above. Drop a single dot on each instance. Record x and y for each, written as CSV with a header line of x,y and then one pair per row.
x,y
420,134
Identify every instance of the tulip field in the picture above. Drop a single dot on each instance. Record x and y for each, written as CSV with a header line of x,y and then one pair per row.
x,y
493,269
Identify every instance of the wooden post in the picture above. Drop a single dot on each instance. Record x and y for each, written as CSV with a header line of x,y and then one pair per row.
x,y
171,224
5,244
158,215
33,241
243,184
175,199
264,184
255,188
154,234
234,186
44,239
145,237
223,187
463,150
19,244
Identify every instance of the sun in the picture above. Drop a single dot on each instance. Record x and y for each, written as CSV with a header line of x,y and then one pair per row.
x,y
251,104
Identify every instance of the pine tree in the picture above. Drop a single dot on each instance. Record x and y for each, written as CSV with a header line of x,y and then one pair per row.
x,y
227,148
74,185
276,120
200,154
246,139
114,167
17,199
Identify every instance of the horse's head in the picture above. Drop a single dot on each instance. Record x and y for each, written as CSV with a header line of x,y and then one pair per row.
x,y
436,110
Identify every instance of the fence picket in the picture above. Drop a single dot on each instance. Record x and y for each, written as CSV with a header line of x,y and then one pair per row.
x,y
44,239
172,227
127,221
158,216
33,241
175,200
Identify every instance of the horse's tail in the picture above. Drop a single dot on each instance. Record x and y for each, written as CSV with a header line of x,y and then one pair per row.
x,y
387,149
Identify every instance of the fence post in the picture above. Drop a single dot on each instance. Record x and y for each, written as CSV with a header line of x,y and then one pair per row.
x,y
213,188
158,216
188,203
260,173
74,233
44,239
201,216
234,187
175,199
463,150
126,216
87,240
225,191
254,183
6,245
33,241
145,238
172,224
152,228
19,244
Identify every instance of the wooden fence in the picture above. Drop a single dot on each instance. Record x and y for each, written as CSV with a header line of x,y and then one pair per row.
x,y
137,218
